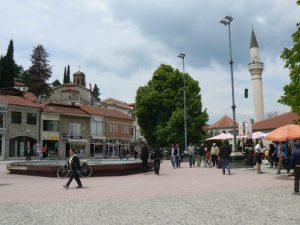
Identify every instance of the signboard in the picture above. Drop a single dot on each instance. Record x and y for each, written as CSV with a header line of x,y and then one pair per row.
x,y
98,118
54,137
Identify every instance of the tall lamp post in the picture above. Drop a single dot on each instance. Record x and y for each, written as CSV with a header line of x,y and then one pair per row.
x,y
226,21
182,55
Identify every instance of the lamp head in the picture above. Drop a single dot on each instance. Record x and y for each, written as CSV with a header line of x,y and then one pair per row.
x,y
181,55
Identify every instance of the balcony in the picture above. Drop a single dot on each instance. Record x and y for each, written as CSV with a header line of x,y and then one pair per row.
x,y
255,65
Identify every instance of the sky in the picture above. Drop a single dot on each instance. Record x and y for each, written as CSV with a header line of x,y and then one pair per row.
x,y
118,44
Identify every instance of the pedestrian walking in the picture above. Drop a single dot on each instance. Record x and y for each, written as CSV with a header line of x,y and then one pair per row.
x,y
179,157
270,155
280,153
157,156
224,155
173,157
200,154
258,156
144,158
191,154
295,163
74,165
214,154
27,152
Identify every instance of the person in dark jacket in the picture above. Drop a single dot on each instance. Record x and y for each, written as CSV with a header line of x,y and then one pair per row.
x,y
224,155
295,163
74,165
144,158
156,156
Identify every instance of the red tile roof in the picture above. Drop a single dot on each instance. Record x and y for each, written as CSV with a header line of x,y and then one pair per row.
x,y
68,109
276,121
30,97
70,89
225,122
18,100
19,84
104,112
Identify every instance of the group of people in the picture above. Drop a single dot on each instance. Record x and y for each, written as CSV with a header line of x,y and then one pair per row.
x,y
217,156
38,151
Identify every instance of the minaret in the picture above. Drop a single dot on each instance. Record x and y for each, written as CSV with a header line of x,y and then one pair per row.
x,y
256,68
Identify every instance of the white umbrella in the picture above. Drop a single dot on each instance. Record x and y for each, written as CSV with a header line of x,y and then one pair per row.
x,y
258,135
222,136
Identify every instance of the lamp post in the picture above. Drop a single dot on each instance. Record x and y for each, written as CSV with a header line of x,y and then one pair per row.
x,y
182,55
226,21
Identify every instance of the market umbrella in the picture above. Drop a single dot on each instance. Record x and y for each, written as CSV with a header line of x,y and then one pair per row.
x,y
288,132
258,135
221,136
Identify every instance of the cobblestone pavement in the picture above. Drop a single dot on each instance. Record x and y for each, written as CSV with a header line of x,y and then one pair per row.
x,y
178,196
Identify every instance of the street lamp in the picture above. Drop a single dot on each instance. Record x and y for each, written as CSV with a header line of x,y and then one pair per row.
x,y
182,55
226,21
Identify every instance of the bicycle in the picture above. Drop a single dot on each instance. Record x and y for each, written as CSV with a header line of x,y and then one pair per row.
x,y
84,171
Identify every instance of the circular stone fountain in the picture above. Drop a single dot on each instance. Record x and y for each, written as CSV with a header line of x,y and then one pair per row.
x,y
100,167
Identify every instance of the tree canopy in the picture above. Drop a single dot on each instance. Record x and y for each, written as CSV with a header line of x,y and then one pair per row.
x,y
8,68
96,92
56,83
39,72
160,108
291,57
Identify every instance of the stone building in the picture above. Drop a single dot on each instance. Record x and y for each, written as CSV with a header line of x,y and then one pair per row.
x,y
19,125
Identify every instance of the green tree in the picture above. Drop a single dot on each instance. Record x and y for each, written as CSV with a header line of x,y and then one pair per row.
x,y
68,75
291,57
8,67
96,92
160,110
39,72
65,76
56,83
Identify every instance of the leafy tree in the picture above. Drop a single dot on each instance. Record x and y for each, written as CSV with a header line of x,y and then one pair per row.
x,y
291,57
56,83
65,76
68,80
96,92
160,110
8,67
39,72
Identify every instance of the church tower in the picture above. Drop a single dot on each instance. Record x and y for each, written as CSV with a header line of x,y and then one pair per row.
x,y
79,78
256,68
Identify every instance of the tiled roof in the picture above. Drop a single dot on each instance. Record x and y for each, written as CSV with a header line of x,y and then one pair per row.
x,y
104,112
225,122
68,109
276,121
18,100
30,97
70,89
19,84
51,109
117,103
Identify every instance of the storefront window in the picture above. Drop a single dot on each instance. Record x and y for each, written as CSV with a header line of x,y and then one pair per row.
x,y
51,147
17,146
78,148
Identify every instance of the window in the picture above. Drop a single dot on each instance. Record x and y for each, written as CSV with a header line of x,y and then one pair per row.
x,y
97,129
31,118
113,128
50,125
2,120
74,130
16,117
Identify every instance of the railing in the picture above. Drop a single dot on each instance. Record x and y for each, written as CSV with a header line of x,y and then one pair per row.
x,y
255,65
